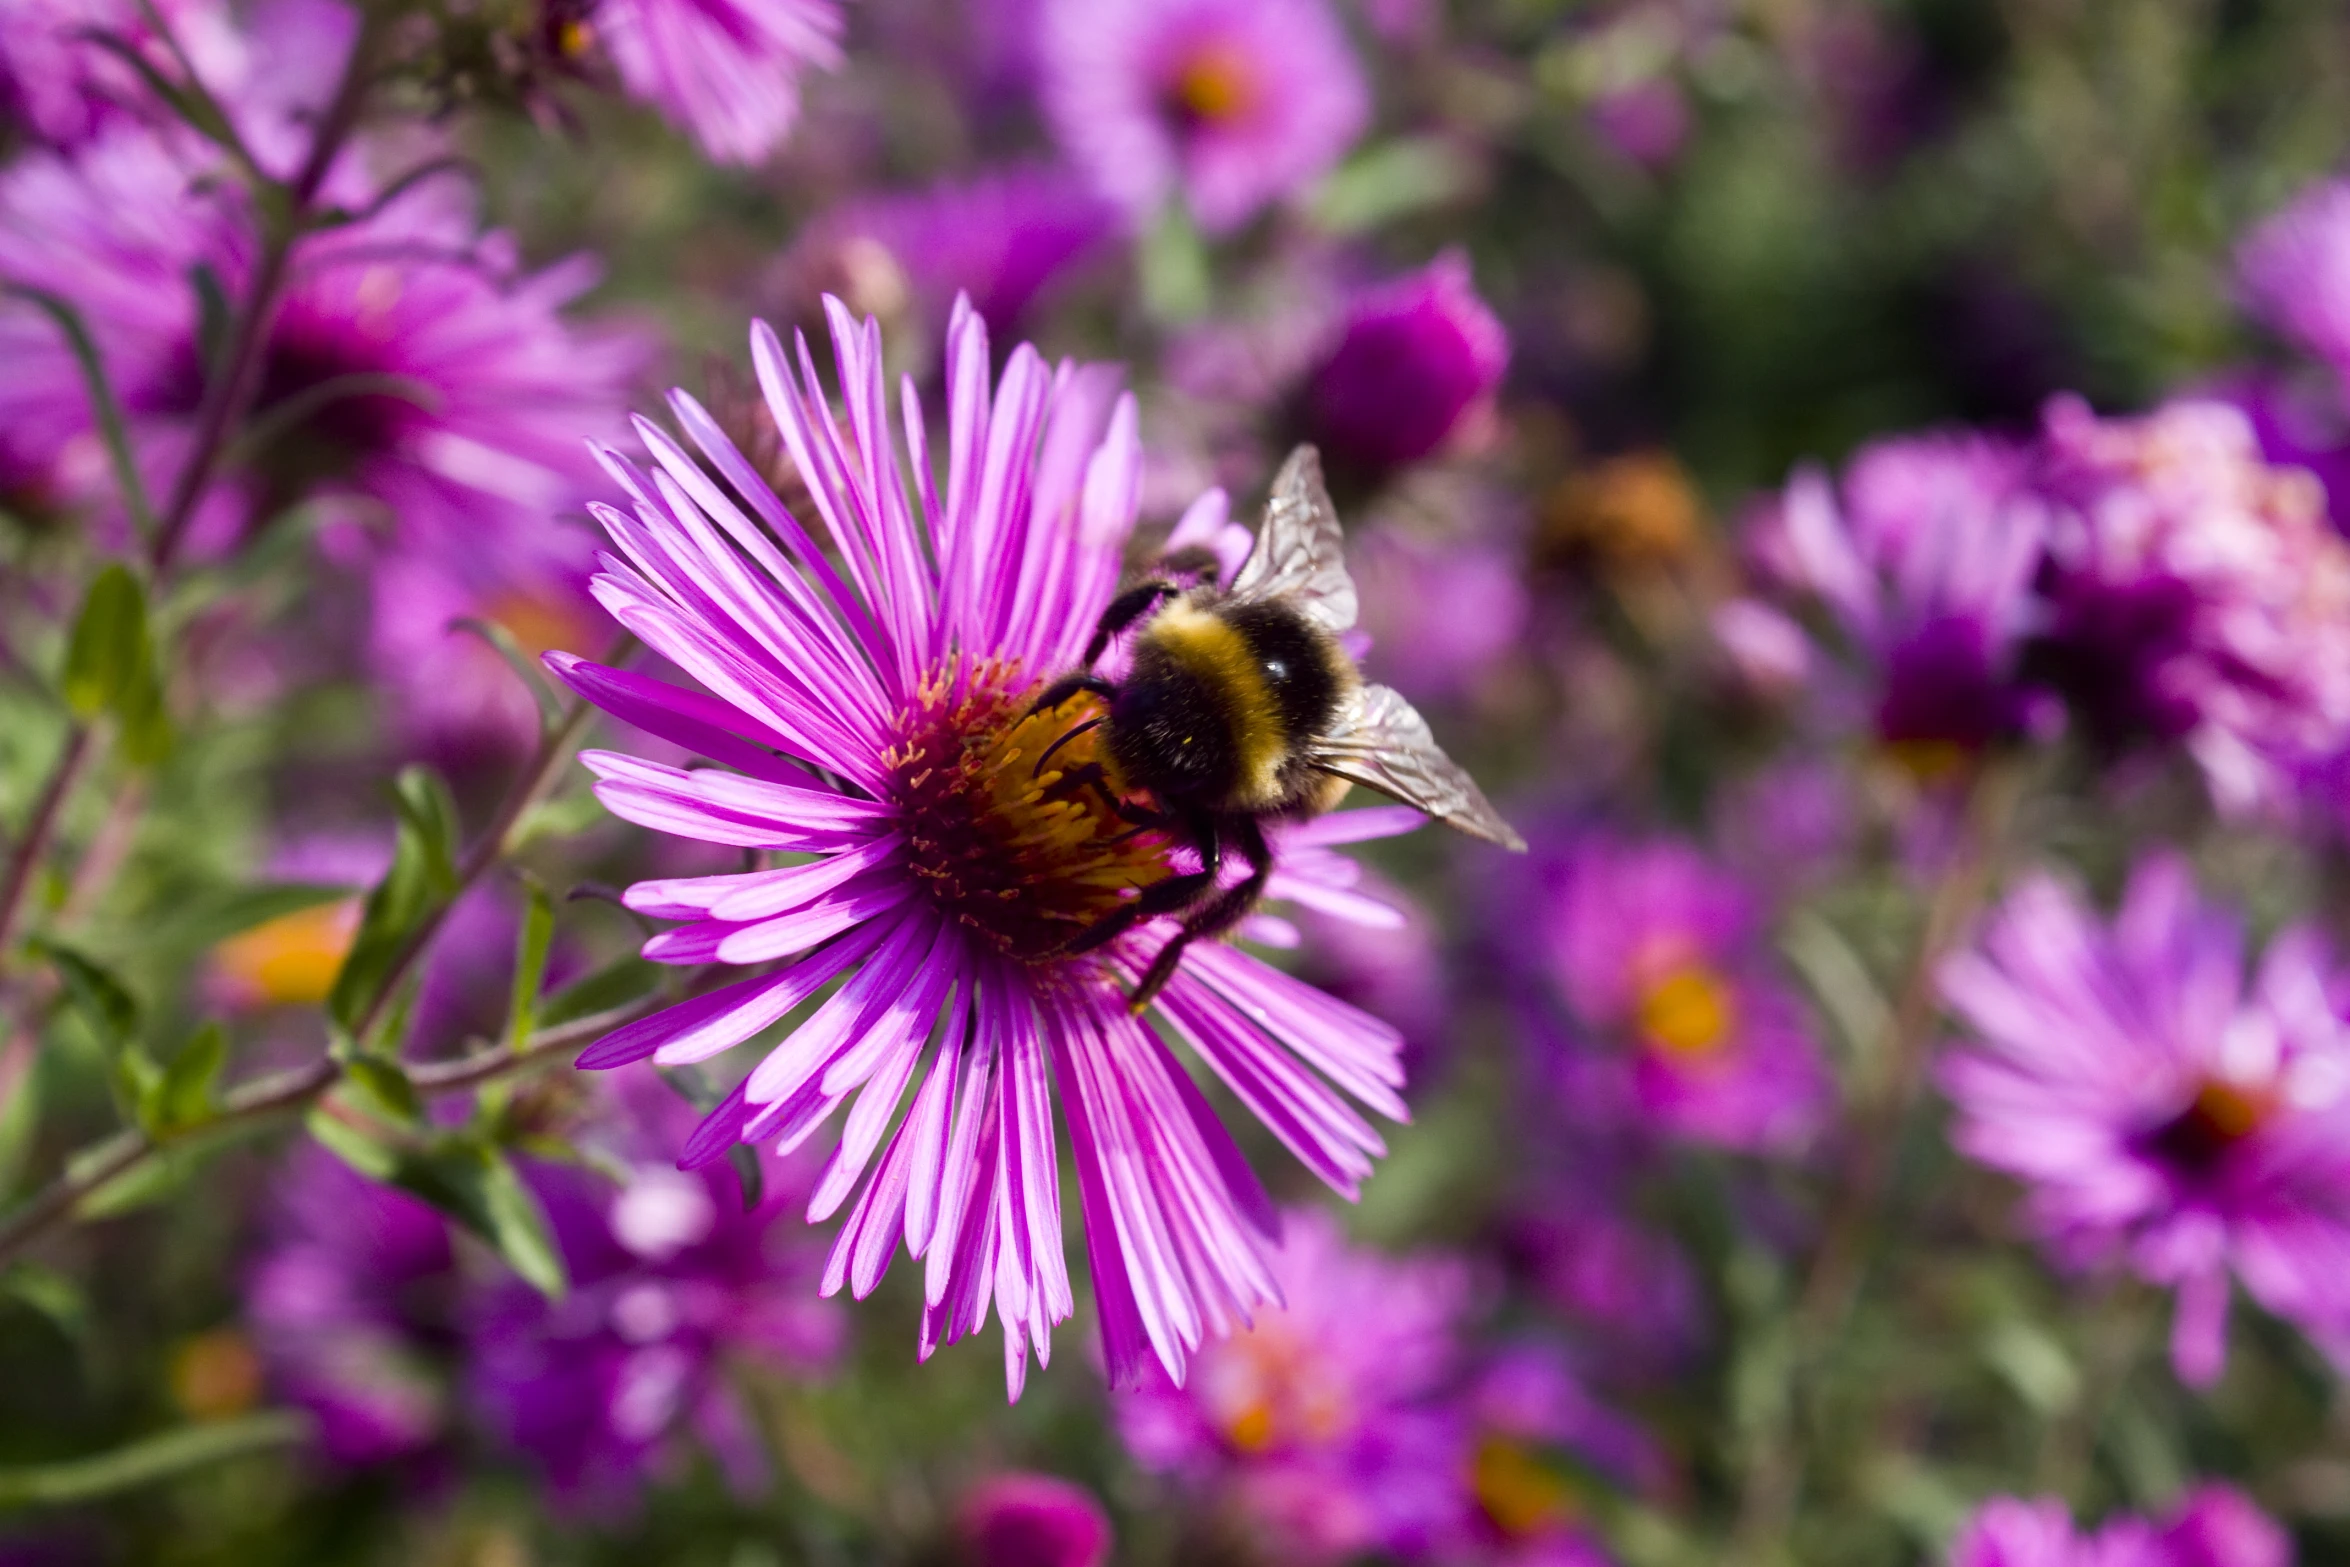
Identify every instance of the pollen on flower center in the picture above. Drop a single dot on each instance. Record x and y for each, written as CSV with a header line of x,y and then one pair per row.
x,y
1686,1013
1215,85
1517,1492
1028,859
1263,1391
2220,1116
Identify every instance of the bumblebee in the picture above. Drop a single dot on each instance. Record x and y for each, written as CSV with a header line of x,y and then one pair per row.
x,y
1240,707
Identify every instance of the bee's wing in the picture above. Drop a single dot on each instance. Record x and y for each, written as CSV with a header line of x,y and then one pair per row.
x,y
1300,555
1382,741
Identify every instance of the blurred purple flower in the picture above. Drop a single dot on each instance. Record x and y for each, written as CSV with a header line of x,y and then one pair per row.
x,y
1414,367
2196,594
1927,565
1621,1286
1003,237
2161,1115
62,88
1032,1520
670,1278
354,1290
726,70
1441,614
451,691
1234,103
2294,272
2213,1526
1647,121
1323,1420
412,363
914,687
1680,1019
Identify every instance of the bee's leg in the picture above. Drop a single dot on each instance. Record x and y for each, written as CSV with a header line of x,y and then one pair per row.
x,y
1171,895
1214,917
1127,608
1068,686
1093,775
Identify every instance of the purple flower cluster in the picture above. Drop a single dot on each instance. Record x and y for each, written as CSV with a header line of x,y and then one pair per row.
x,y
2156,574
1350,1421
371,1318
2212,1526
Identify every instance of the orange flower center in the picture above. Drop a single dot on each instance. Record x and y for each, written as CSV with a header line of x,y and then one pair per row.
x,y
291,960
539,625
1267,1388
1215,85
1520,1494
1686,1014
1028,858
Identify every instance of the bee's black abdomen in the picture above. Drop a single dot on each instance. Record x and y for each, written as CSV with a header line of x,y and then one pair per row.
x,y
1296,662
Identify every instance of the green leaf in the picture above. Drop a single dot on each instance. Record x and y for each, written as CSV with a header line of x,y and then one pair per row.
x,y
530,964
1173,259
110,665
1391,181
749,1173
186,1094
53,1295
215,318
111,427
476,1184
109,646
421,881
565,816
357,1147
386,1088
615,985
103,1001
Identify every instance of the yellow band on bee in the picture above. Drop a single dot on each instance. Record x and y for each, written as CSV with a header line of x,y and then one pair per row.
x,y
1218,654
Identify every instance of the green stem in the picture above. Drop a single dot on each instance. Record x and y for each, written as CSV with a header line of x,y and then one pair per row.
x,y
152,1458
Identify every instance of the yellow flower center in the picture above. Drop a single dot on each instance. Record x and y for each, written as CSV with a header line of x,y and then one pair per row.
x,y
1687,1013
1215,85
1267,1388
1930,761
1520,1494
291,960
1029,859
215,1375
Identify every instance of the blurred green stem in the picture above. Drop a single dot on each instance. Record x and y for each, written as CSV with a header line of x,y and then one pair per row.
x,y
150,1459
1774,1470
32,845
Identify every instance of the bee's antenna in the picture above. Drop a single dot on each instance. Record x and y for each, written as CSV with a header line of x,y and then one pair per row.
x,y
1067,735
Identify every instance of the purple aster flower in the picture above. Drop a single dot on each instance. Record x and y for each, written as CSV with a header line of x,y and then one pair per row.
x,y
1032,1520
1927,563
1622,1286
61,88
670,1276
950,878
1323,1422
352,1302
2162,1115
1680,1019
1003,237
420,367
1234,103
2212,1526
2196,594
2294,272
1415,365
726,70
